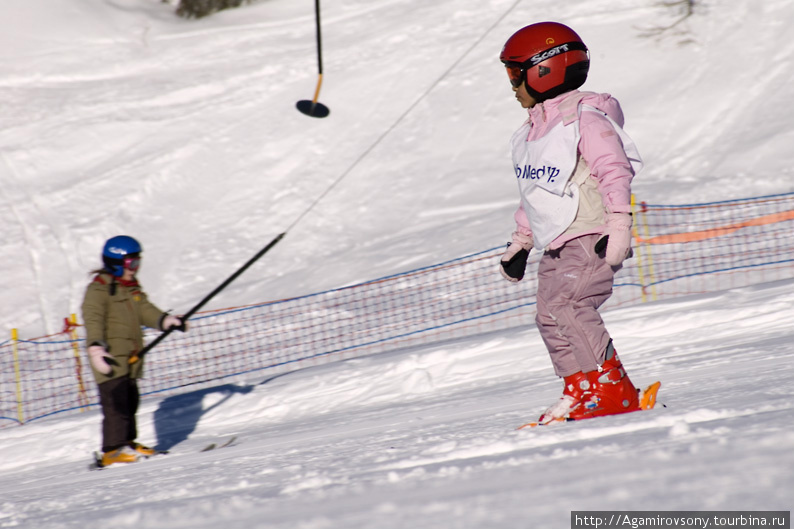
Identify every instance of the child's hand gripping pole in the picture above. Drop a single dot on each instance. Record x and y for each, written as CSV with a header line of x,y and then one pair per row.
x,y
168,324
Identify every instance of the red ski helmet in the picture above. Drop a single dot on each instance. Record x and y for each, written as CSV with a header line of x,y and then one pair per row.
x,y
548,57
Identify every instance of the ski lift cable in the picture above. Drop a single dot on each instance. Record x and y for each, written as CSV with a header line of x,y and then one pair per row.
x,y
401,117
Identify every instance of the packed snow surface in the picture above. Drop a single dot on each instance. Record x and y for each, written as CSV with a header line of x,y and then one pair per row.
x,y
120,117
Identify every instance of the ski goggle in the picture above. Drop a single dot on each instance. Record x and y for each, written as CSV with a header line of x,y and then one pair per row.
x,y
132,263
517,71
516,74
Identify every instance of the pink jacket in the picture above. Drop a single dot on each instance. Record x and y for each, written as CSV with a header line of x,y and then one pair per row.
x,y
600,147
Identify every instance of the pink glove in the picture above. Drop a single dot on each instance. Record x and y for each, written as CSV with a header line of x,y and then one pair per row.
x,y
174,322
99,358
514,260
619,233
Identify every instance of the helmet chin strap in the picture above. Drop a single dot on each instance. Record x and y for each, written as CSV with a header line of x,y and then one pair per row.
x,y
537,96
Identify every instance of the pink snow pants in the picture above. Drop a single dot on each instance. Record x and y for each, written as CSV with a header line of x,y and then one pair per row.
x,y
573,282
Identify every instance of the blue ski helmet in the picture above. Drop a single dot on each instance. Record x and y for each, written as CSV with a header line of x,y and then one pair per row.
x,y
120,252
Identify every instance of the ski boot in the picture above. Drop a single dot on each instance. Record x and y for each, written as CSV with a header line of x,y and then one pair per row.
x,y
125,454
142,450
610,392
576,386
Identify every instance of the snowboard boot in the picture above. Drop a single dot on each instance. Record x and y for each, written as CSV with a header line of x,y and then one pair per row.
x,y
575,387
125,454
142,450
611,392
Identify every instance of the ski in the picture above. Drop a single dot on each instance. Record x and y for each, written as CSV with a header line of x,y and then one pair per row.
x,y
96,464
648,396
215,446
647,402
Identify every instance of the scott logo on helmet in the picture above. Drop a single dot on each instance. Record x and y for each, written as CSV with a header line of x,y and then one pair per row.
x,y
540,57
532,173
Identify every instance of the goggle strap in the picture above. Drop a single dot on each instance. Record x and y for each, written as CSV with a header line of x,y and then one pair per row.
x,y
538,58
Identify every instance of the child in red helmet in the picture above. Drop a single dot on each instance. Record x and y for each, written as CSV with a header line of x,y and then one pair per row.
x,y
574,165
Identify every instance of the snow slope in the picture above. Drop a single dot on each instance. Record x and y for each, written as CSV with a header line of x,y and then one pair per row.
x,y
121,118
426,437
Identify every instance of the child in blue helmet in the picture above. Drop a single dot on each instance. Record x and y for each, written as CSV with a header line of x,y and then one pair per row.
x,y
114,308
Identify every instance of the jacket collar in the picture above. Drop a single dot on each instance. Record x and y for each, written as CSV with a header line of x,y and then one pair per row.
x,y
105,278
122,282
548,109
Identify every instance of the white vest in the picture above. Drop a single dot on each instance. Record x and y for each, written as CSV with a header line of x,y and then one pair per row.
x,y
544,168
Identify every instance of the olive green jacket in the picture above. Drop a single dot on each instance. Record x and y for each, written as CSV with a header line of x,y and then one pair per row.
x,y
113,312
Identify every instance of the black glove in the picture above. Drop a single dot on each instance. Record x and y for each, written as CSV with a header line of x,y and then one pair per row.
x,y
514,264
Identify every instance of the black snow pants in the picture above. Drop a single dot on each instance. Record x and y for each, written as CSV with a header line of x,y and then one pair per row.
x,y
119,399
